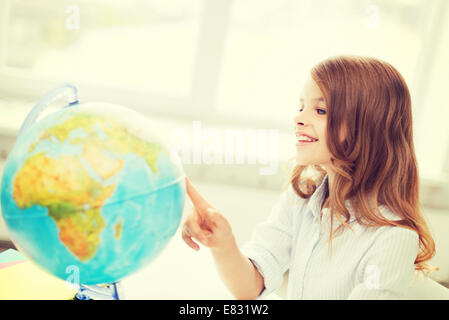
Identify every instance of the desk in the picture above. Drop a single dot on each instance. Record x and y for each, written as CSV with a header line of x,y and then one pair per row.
x,y
179,272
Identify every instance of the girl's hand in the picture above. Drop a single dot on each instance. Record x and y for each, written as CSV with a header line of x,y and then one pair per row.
x,y
205,223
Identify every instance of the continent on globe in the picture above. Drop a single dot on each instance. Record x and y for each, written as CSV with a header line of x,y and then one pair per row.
x,y
117,139
105,166
64,186
71,196
118,229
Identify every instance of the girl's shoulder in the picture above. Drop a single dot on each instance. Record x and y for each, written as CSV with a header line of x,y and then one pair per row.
x,y
393,232
388,213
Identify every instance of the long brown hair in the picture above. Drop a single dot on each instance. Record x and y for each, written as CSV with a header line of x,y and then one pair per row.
x,y
369,101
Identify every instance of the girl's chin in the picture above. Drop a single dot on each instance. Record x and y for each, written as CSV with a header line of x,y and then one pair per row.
x,y
304,162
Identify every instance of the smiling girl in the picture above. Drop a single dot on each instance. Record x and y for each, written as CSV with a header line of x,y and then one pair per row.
x,y
349,224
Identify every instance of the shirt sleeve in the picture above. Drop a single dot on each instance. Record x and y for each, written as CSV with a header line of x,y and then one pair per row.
x,y
270,246
386,271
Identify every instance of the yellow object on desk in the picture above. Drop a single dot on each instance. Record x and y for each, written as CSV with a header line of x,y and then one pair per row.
x,y
26,281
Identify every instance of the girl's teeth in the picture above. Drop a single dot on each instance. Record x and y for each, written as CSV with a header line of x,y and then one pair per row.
x,y
306,140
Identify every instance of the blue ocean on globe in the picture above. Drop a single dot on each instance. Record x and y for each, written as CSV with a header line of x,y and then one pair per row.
x,y
91,190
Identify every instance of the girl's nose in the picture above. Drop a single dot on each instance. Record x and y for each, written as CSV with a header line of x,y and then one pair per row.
x,y
299,119
298,123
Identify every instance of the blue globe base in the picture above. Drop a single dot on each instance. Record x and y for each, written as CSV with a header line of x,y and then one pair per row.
x,y
110,291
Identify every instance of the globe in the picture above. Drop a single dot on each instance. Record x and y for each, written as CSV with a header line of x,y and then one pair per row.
x,y
90,189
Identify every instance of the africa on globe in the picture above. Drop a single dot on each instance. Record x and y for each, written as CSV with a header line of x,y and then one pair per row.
x,y
92,186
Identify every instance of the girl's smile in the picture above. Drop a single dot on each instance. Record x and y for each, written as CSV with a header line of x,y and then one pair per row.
x,y
303,139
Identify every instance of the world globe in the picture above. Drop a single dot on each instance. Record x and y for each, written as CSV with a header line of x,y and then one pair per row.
x,y
91,189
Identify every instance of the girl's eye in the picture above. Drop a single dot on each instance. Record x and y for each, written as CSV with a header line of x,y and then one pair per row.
x,y
319,111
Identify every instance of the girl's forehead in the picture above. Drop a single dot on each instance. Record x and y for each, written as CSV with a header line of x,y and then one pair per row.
x,y
315,100
311,91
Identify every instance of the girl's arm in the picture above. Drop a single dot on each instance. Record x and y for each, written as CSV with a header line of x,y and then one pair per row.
x,y
270,247
208,226
259,266
237,272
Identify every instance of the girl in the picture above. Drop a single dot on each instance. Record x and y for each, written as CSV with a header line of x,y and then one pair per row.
x,y
354,187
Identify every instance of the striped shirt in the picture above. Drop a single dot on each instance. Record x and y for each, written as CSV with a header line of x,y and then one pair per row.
x,y
369,263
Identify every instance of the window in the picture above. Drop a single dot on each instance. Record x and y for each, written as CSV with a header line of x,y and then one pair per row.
x,y
148,45
236,62
272,44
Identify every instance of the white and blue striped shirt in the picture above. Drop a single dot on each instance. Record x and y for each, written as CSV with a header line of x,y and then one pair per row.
x,y
371,263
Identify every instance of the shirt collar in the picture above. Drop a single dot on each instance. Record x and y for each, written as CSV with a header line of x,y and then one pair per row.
x,y
317,198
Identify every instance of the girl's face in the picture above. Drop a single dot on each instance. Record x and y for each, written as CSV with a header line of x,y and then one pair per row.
x,y
310,127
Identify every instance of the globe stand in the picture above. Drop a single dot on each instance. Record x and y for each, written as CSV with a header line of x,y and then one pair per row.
x,y
110,291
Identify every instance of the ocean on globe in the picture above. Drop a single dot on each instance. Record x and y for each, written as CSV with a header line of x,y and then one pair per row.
x,y
91,189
